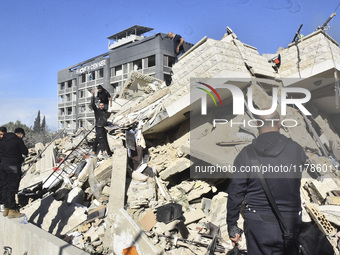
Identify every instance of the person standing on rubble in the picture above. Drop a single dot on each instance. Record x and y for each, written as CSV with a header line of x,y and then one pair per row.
x,y
178,44
101,115
103,95
262,230
3,131
12,148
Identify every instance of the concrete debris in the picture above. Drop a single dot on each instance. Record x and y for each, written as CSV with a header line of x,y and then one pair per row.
x,y
145,198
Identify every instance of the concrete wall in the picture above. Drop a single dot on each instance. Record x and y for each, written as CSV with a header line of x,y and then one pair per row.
x,y
30,240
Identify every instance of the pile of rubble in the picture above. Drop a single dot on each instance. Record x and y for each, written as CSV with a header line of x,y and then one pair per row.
x,y
144,199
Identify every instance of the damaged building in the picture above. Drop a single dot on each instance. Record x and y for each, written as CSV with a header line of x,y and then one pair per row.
x,y
146,198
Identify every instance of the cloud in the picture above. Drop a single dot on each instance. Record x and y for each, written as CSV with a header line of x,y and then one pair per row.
x,y
26,109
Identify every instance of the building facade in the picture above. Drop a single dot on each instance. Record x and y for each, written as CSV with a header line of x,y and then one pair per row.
x,y
131,51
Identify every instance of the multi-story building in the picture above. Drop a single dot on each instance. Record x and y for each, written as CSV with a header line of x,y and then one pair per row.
x,y
129,51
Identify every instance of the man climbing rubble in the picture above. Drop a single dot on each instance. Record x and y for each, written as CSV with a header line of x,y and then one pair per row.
x,y
12,148
101,116
262,230
104,96
178,44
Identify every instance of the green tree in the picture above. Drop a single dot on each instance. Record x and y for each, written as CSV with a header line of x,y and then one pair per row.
x,y
36,125
43,125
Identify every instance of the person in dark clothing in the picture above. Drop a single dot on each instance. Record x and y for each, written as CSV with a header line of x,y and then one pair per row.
x,y
12,148
101,116
178,44
3,131
274,151
103,95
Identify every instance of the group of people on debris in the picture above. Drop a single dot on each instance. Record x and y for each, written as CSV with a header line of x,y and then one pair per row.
x,y
12,149
263,230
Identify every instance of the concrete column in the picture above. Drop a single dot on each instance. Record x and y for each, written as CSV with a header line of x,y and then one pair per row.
x,y
159,66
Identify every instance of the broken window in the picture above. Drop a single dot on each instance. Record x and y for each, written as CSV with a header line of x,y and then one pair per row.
x,y
69,110
81,123
152,61
61,124
68,124
81,94
137,65
61,99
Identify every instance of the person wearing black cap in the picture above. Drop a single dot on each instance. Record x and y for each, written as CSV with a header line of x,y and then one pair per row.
x,y
103,95
12,148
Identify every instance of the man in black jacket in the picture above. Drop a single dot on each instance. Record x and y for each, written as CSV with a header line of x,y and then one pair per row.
x,y
101,116
277,154
104,96
178,45
3,131
12,148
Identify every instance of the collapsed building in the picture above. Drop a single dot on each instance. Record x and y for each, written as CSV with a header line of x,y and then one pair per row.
x,y
147,198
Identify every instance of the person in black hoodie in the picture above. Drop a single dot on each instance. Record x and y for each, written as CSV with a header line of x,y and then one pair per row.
x,y
12,148
3,131
275,151
101,115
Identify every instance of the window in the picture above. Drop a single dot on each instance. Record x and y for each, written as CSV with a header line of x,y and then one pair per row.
x,y
68,97
69,84
83,78
125,68
81,123
92,76
101,73
69,110
68,124
61,99
61,111
116,86
81,94
62,86
61,124
169,61
82,108
118,70
137,65
152,61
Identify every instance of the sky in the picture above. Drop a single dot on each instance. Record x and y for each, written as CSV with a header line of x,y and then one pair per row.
x,y
40,37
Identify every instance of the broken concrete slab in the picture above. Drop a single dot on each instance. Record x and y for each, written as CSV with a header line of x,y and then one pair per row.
x,y
103,171
177,166
126,233
148,220
193,216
